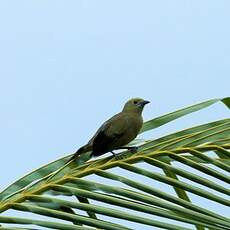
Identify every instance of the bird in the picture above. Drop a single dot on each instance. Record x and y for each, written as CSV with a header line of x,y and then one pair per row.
x,y
116,132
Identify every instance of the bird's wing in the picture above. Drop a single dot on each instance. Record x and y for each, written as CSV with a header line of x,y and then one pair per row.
x,y
109,132
115,126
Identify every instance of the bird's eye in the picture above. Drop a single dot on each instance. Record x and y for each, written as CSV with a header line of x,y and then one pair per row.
x,y
135,102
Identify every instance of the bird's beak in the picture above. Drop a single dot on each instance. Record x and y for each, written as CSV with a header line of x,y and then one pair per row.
x,y
143,103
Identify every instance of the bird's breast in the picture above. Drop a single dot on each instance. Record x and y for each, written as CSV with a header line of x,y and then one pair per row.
x,y
133,126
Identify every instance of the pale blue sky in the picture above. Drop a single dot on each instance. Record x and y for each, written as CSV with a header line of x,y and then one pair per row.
x,y
66,66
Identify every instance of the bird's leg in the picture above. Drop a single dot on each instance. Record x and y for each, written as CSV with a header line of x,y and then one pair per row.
x,y
116,156
113,153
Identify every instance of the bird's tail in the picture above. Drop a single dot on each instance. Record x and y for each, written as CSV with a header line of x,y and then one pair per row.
x,y
81,150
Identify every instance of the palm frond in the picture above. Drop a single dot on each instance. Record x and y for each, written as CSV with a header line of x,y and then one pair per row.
x,y
163,185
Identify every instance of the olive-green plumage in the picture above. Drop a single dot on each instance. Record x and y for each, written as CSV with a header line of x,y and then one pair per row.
x,y
118,131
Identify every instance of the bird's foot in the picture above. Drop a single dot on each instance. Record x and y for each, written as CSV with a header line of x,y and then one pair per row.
x,y
120,156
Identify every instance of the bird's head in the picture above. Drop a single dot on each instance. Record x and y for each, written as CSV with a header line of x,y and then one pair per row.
x,y
135,105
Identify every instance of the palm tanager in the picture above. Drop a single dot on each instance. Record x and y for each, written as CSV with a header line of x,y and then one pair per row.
x,y
116,132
